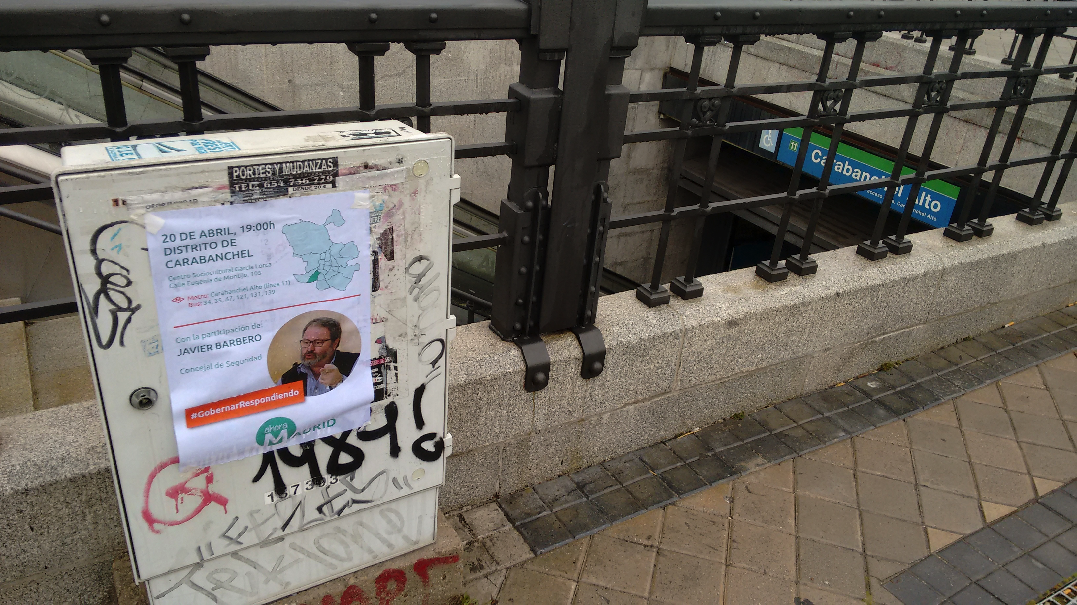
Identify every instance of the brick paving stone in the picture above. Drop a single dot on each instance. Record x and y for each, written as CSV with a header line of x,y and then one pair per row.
x,y
593,480
589,594
1060,560
943,413
1033,574
521,586
944,473
994,511
618,504
659,457
850,421
1021,534
1066,362
477,560
797,410
1062,503
559,493
825,430
883,459
974,595
544,533
1021,357
714,500
950,512
1066,402
745,429
619,565
838,569
1003,486
875,413
522,505
645,529
994,451
818,596
911,589
798,439
650,492
1043,519
583,518
1041,431
507,547
1068,539
1007,588
934,362
942,387
893,539
777,475
484,588
565,561
938,539
828,522
772,419
994,546
762,549
742,458
839,454
967,560
1025,378
936,438
893,433
899,403
717,437
984,418
683,480
940,575
484,520
627,468
679,578
825,481
772,449
1050,463
834,399
763,504
1059,378
987,395
888,496
711,468
895,377
687,447
694,533
744,587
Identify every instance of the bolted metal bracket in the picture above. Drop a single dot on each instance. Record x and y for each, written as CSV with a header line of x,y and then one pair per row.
x,y
594,350
981,229
536,362
802,268
958,234
896,246
1030,217
771,274
872,251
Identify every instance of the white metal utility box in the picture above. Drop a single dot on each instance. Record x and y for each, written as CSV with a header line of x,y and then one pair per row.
x,y
267,318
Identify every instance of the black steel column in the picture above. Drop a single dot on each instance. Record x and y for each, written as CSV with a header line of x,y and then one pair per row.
x,y
187,58
366,51
108,62
422,52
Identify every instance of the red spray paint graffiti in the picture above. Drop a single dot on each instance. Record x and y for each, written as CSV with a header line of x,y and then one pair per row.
x,y
178,492
391,583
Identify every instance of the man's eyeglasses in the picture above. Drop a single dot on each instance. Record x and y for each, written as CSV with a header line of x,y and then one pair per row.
x,y
306,343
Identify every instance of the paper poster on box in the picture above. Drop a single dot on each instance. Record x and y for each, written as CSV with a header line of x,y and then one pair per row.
x,y
264,311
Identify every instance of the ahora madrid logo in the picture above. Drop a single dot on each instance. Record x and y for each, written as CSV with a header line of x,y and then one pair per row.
x,y
275,431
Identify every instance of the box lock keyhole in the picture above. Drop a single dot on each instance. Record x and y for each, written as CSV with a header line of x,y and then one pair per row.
x,y
143,398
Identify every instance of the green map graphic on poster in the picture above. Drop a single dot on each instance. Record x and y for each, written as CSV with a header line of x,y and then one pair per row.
x,y
327,261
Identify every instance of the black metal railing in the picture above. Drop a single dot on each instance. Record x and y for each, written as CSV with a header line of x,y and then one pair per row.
x,y
568,111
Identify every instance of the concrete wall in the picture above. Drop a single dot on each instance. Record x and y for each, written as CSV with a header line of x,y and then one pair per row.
x,y
743,345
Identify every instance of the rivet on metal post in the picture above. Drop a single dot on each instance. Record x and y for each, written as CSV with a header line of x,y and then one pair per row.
x,y
143,398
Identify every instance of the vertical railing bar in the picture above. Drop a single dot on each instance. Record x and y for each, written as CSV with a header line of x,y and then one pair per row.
x,y
873,249
960,230
422,52
187,58
804,265
769,270
687,287
982,227
108,62
1051,212
897,243
366,52
1033,215
673,186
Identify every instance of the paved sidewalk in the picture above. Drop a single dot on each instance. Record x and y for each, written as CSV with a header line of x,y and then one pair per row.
x,y
827,527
